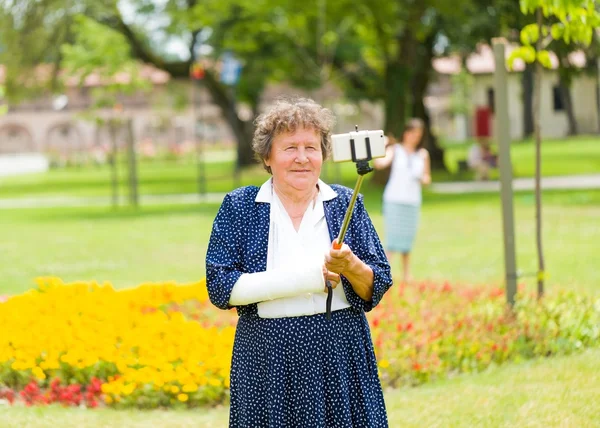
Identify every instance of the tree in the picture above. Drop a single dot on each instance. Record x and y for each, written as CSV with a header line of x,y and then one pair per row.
x,y
36,28
576,21
32,33
384,53
103,51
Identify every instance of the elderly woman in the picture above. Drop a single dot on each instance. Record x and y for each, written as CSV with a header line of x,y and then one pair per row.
x,y
270,255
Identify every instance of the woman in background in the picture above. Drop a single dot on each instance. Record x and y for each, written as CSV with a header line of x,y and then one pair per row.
x,y
410,169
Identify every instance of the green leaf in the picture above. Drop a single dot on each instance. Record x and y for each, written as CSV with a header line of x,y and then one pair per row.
x,y
530,34
557,30
511,60
526,53
544,58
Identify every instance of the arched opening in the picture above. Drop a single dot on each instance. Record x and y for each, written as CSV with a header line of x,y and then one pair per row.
x,y
65,145
15,138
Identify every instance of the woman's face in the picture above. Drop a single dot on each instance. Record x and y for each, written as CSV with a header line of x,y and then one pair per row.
x,y
296,159
413,137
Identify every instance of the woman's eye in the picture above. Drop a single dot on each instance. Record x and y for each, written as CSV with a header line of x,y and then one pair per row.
x,y
311,148
290,148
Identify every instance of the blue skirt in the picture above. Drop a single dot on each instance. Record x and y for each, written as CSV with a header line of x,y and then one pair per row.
x,y
401,222
305,372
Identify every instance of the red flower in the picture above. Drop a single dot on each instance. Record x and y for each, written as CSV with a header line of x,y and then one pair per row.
x,y
8,394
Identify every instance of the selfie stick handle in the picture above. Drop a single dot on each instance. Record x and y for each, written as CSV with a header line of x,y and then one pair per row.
x,y
362,168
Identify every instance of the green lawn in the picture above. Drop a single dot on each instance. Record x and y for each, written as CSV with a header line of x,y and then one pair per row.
x,y
460,239
556,392
576,155
560,157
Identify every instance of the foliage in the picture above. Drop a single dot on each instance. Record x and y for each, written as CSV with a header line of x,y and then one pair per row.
x,y
431,331
570,21
105,52
32,32
460,99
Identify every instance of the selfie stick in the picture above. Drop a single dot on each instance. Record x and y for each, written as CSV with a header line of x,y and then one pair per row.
x,y
362,168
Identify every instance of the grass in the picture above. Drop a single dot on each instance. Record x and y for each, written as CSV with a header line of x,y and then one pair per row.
x,y
460,239
572,156
560,157
561,391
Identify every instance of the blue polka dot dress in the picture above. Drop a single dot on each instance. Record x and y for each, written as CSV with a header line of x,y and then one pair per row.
x,y
303,371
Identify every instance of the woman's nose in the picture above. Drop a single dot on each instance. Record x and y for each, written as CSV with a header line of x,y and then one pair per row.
x,y
301,156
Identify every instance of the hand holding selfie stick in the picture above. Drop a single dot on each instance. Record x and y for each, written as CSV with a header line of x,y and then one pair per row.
x,y
360,148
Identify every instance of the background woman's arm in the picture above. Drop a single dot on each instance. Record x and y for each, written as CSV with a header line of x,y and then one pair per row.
x,y
426,177
386,161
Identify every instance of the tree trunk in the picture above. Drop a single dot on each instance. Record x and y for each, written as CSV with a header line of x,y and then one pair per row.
x,y
598,91
538,162
565,95
597,63
242,130
419,85
132,165
397,79
527,85
114,177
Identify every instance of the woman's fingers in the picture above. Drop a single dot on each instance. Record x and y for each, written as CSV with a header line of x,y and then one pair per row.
x,y
332,277
338,260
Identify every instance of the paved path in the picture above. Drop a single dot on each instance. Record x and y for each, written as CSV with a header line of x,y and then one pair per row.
x,y
591,181
60,202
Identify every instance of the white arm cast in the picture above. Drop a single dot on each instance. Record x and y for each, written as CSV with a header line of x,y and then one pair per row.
x,y
277,283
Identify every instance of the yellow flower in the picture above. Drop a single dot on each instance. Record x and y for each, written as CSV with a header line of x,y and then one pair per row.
x,y
190,387
182,397
128,389
38,373
384,364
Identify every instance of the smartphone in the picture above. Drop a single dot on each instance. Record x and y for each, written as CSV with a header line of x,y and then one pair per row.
x,y
352,146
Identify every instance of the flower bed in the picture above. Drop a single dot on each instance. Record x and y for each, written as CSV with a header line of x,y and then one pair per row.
x,y
143,349
431,330
164,345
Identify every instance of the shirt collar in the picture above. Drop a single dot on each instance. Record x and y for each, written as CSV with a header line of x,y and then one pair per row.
x,y
326,193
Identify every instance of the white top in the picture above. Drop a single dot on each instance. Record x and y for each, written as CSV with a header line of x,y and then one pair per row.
x,y
404,184
475,155
288,246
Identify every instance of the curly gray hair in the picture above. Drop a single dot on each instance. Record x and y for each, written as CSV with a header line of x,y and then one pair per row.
x,y
288,115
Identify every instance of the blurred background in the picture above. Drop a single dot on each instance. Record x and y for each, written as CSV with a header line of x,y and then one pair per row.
x,y
124,123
